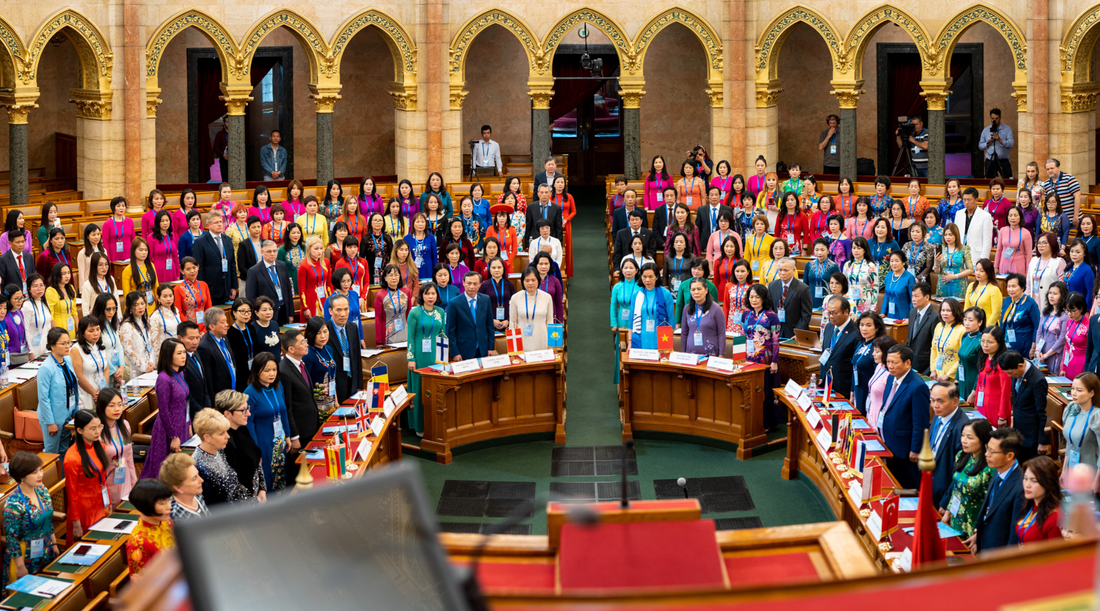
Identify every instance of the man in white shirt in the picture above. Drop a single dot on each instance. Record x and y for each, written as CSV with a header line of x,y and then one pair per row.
x,y
487,152
976,226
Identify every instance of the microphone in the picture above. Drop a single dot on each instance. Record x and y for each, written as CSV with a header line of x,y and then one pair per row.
x,y
683,483
625,494
475,598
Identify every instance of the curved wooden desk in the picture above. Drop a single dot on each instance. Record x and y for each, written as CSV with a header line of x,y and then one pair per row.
x,y
662,396
490,403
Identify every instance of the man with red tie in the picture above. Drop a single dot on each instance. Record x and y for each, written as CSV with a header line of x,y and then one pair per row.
x,y
16,264
298,392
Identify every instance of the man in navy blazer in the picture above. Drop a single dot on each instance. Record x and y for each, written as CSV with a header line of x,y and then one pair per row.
x,y
10,270
1029,403
662,217
1092,345
263,282
945,436
706,218
904,416
471,333
543,209
838,345
620,219
1004,498
217,261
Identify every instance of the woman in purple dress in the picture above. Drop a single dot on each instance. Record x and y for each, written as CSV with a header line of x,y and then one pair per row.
x,y
1050,337
165,250
704,325
12,299
172,426
762,346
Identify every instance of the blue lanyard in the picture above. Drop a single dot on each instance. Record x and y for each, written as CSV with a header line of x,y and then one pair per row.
x,y
530,316
941,342
678,264
247,339
328,361
272,402
117,446
499,291
396,303
165,322
98,366
1085,430
198,302
428,331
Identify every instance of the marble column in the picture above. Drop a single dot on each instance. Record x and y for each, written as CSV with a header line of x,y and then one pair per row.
x,y
632,131
540,126
236,152
17,155
847,94
325,100
937,147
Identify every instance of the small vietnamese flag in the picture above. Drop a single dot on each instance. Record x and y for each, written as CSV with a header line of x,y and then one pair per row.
x,y
664,339
739,347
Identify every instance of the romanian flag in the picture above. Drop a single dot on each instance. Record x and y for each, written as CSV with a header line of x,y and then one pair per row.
x,y
664,339
515,340
739,347
555,335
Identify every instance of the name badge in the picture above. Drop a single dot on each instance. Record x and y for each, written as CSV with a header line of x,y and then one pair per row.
x,y
225,265
118,246
1039,344
939,363
120,474
962,374
755,266
855,377
689,200
70,325
1009,251
347,364
106,497
891,308
279,427
956,504
750,346
332,388
168,263
249,364
279,293
500,313
398,324
355,287
832,149
661,197
426,345
650,326
790,237
675,284
37,339
825,356
981,399
819,292
148,296
782,315
1011,335
38,548
1072,458
321,293
529,330
198,316
737,318
697,338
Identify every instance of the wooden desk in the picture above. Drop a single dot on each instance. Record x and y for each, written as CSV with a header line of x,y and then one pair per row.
x,y
490,403
663,396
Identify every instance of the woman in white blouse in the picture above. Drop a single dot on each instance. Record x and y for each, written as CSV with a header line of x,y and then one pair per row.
x,y
136,344
1046,268
164,320
546,242
532,310
101,282
105,310
36,315
89,362
93,243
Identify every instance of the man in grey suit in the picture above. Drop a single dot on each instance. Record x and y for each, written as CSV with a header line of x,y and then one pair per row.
x,y
791,296
922,323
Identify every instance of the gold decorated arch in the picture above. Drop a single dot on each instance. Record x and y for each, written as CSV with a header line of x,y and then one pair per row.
x,y
214,31
628,57
708,37
12,58
944,45
775,33
322,65
1075,52
849,61
460,45
401,46
96,61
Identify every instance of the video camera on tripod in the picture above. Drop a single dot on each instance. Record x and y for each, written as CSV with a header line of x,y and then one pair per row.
x,y
905,127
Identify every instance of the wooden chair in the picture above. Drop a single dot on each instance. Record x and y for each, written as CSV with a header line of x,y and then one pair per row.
x,y
54,480
140,417
7,415
99,603
25,423
99,582
75,600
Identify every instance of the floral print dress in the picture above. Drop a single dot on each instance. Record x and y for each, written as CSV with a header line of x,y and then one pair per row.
x,y
24,523
968,493
954,262
862,285
737,309
918,259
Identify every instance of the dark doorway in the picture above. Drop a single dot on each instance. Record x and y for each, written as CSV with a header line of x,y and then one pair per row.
x,y
586,114
271,108
898,93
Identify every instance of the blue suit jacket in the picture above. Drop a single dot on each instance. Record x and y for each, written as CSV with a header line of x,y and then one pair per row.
x,y
1025,320
906,415
209,258
470,338
839,365
1092,345
950,445
997,520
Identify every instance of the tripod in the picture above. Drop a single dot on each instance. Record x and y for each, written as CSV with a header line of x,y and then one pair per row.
x,y
904,163
473,168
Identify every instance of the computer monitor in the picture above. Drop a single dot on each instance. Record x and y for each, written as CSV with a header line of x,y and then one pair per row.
x,y
368,543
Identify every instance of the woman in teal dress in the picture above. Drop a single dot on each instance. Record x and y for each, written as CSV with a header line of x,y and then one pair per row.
x,y
622,305
426,322
963,500
267,420
28,521
970,349
881,247
652,308
953,264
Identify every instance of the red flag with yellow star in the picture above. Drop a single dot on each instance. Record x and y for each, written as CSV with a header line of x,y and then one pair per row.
x,y
664,339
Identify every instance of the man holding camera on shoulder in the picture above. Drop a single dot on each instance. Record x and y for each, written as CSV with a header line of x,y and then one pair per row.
x,y
916,139
996,143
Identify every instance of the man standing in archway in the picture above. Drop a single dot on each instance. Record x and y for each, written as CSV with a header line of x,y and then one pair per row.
x,y
829,142
221,148
996,143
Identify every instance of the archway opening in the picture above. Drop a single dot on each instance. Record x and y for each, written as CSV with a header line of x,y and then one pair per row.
x,y
363,117
805,66
675,112
496,79
183,154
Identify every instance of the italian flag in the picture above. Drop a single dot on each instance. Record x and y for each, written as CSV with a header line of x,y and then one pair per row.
x,y
739,348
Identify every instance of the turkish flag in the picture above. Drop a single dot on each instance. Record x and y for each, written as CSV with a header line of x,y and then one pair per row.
x,y
664,339
927,545
890,513
515,340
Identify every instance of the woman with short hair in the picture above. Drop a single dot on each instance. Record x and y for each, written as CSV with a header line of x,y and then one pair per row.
x,y
241,451
31,544
179,473
153,533
220,482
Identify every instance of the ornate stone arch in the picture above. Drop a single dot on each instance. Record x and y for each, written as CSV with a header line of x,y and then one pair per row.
x,y
849,61
1075,52
322,65
495,16
93,97
399,41
214,31
954,28
711,41
771,39
628,57
13,58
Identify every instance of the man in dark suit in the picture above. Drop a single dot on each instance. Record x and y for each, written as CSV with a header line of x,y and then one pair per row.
x,y
922,323
215,355
343,340
904,416
945,437
791,296
1029,404
838,344
470,322
217,263
549,173
706,218
16,265
1092,345
624,237
301,407
270,279
194,374
1004,498
620,219
543,209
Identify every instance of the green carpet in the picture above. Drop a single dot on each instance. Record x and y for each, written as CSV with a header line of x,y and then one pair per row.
x,y
593,415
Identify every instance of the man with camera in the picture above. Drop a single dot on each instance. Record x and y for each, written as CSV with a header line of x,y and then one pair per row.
x,y
829,141
996,142
915,136
486,151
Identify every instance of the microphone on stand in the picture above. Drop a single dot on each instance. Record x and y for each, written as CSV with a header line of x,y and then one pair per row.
x,y
475,598
625,494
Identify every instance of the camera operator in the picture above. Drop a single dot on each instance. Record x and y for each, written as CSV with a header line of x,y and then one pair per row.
x,y
996,142
487,151
917,141
703,164
830,143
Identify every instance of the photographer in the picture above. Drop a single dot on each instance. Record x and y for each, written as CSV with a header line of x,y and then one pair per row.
x,y
704,167
916,137
996,143
830,143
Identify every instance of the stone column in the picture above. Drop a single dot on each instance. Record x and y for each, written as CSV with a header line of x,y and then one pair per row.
x,y
17,154
236,99
134,101
325,99
540,125
632,131
848,96
735,71
935,94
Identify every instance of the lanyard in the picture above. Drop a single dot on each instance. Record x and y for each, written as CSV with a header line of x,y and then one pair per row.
x,y
353,263
165,322
117,434
677,266
310,229
115,225
98,367
1048,324
739,296
845,204
141,274
197,300
862,352
1027,522
319,273
941,341
430,330
978,299
499,290
531,315
913,206
396,303
756,244
247,339
1085,430
325,358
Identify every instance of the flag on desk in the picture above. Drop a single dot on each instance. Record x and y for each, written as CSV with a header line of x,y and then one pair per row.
x,y
555,335
739,347
378,395
664,339
514,338
828,390
442,349
380,374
